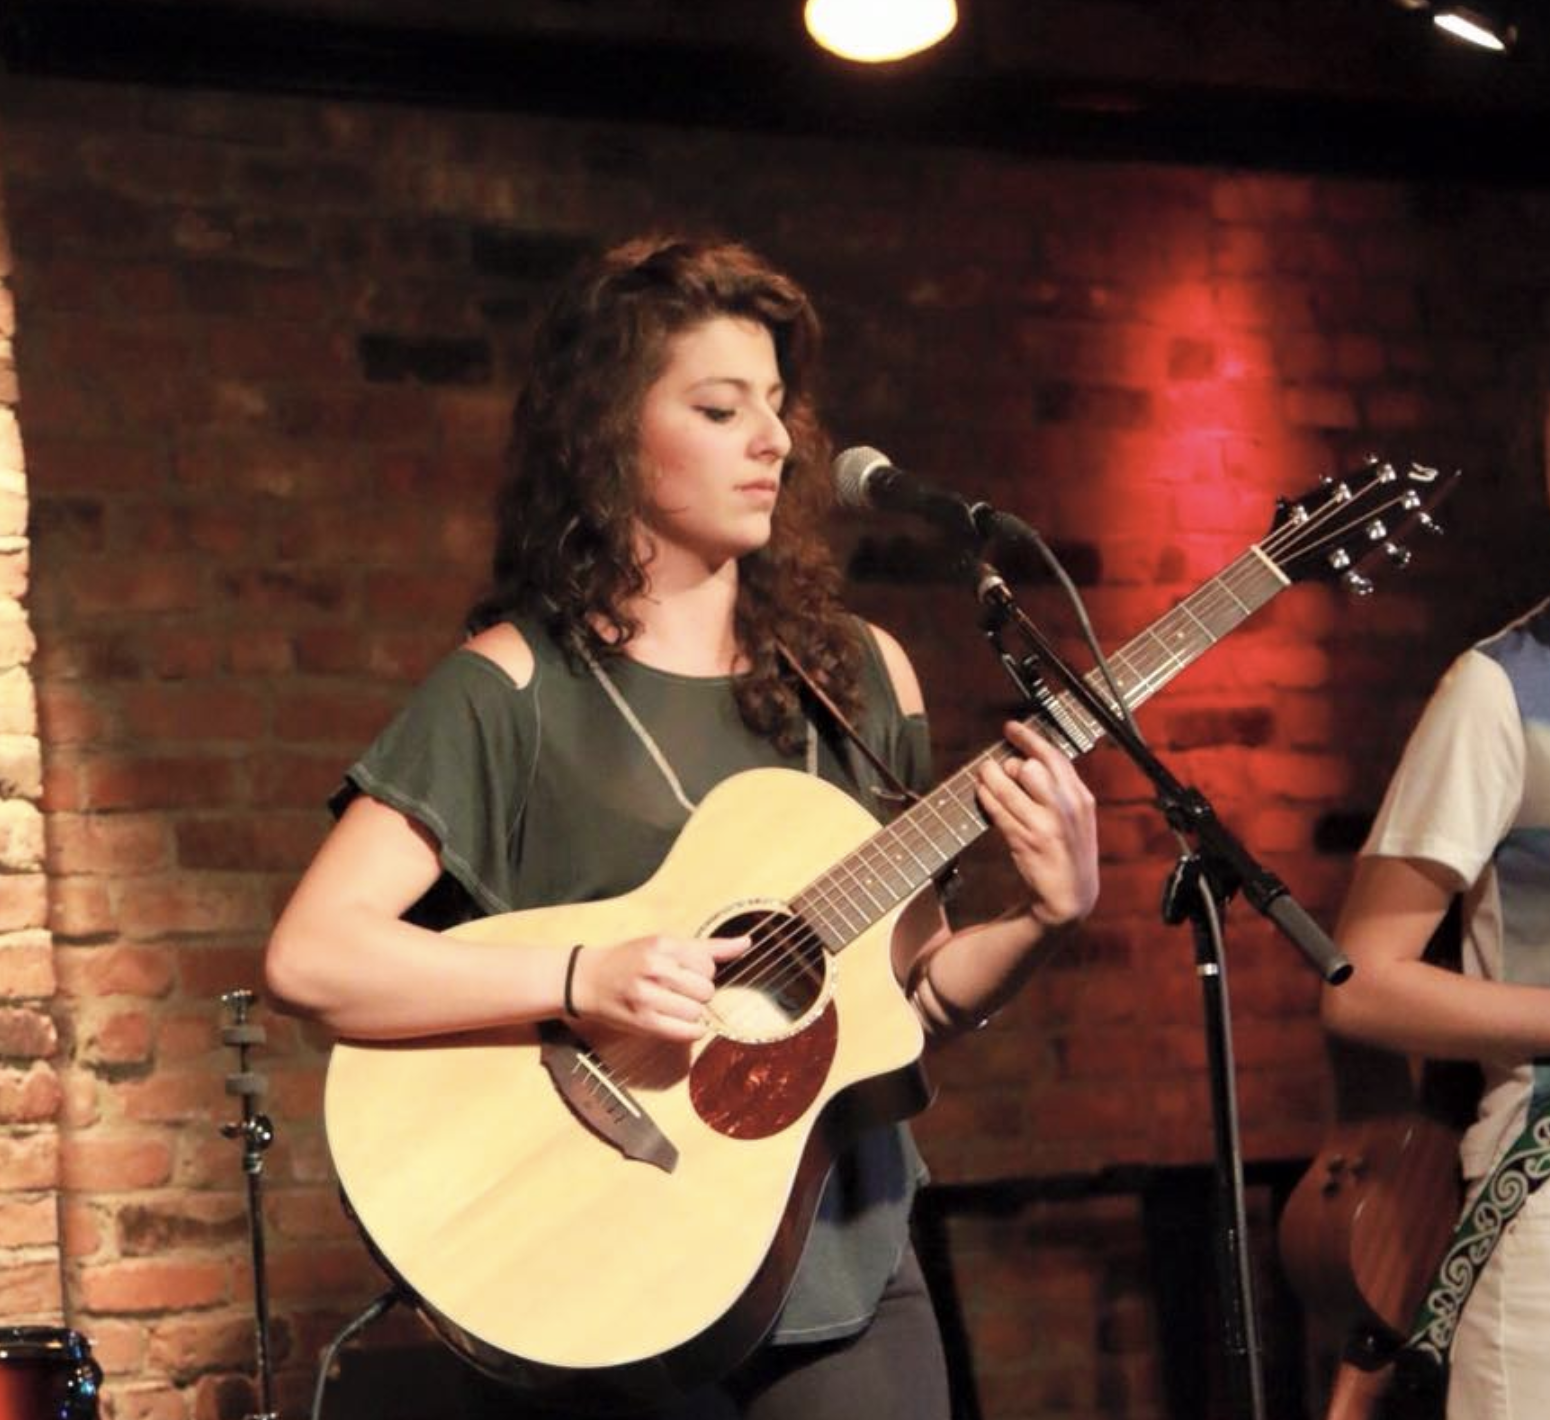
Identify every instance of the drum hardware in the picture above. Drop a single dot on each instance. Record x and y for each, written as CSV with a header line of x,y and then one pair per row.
x,y
257,1134
47,1373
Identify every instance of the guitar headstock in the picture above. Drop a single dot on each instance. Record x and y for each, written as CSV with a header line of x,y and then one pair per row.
x,y
1349,528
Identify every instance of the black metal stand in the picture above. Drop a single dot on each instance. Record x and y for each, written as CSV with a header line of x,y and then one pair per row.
x,y
1198,890
257,1134
1188,895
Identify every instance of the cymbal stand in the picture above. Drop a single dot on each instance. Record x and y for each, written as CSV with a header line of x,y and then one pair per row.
x,y
257,1134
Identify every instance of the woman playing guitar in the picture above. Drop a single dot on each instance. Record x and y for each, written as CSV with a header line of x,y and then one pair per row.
x,y
659,546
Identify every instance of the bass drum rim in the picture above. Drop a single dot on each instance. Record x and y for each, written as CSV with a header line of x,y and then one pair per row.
x,y
63,1357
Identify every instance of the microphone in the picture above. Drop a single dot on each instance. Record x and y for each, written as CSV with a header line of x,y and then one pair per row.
x,y
863,478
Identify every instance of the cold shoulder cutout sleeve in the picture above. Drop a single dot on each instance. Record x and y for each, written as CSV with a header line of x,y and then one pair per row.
x,y
458,759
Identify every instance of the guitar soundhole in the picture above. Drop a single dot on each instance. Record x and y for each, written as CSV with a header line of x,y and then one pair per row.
x,y
752,1091
775,1029
776,984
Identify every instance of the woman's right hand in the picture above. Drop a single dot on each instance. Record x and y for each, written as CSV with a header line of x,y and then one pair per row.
x,y
657,985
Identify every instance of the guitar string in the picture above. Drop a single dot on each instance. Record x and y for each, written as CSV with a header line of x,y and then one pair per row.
x,y
777,956
783,950
1342,510
1204,611
774,954
780,955
1275,545
779,937
789,947
1305,530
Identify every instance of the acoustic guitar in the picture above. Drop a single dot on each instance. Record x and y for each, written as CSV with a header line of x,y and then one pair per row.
x,y
609,1220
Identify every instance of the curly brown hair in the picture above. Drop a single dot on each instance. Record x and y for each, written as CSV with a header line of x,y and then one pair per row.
x,y
565,550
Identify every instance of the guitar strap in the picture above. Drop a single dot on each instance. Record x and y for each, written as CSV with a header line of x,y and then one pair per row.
x,y
895,784
1521,1170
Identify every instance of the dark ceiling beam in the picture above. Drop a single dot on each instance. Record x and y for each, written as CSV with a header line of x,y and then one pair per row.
x,y
798,92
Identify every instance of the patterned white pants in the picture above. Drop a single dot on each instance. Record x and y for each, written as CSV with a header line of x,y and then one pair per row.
x,y
1500,1364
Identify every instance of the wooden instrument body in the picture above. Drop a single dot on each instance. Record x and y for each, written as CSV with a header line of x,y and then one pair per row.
x,y
540,1251
1364,1230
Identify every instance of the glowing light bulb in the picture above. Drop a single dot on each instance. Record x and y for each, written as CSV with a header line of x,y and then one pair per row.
x,y
879,31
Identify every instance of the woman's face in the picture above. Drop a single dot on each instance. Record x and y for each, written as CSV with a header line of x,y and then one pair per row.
x,y
711,447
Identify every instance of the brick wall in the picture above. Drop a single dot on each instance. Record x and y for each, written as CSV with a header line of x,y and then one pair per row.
x,y
265,353
30,1095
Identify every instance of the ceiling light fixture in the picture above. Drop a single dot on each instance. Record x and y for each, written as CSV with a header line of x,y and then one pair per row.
x,y
879,31
1476,27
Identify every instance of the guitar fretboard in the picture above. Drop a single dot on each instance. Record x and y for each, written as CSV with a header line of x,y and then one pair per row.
x,y
900,858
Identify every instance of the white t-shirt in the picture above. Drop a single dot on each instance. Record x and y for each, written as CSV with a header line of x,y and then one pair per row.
x,y
1472,793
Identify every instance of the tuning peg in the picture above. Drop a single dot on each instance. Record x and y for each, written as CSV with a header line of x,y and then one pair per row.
x,y
1431,525
1398,556
1291,514
1376,530
1356,584
1339,559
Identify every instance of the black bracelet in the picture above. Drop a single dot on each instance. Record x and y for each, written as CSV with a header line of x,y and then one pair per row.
x,y
570,980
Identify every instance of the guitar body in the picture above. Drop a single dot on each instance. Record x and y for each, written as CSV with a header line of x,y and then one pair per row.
x,y
1366,1226
535,1246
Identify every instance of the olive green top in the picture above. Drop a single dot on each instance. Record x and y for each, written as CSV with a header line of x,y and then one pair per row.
x,y
544,793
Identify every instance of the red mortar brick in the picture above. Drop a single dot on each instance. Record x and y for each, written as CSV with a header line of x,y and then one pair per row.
x,y
29,1096
141,1286
32,1291
29,1160
116,969
26,1033
116,1038
79,1230
28,1222
114,1163
107,844
26,967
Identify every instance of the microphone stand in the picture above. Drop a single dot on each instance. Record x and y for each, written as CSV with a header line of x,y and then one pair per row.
x,y
1198,889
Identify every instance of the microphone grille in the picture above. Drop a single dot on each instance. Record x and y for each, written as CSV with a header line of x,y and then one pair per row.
x,y
850,474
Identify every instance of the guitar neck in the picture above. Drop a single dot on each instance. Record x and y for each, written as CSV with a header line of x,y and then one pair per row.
x,y
905,855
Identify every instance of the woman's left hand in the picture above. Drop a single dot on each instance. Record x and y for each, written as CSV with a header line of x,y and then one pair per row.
x,y
1047,818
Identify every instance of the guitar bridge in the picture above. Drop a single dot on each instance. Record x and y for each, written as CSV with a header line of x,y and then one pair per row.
x,y
599,1101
